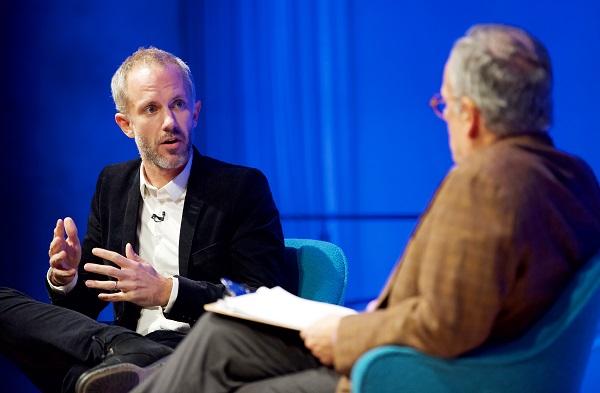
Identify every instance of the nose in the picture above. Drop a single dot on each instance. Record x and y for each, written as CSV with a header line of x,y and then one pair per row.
x,y
169,122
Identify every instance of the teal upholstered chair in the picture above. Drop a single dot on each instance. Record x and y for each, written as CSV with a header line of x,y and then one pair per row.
x,y
322,269
550,357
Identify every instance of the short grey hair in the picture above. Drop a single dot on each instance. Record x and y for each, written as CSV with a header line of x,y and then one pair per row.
x,y
508,75
147,56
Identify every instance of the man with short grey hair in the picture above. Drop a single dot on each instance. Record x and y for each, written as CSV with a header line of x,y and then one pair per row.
x,y
162,231
507,228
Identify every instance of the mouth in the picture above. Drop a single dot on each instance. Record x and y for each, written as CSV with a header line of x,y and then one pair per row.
x,y
172,145
170,141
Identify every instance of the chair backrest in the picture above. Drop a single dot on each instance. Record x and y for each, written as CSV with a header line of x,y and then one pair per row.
x,y
322,269
550,357
572,318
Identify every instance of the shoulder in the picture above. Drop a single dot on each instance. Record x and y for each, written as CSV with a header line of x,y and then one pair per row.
x,y
121,174
221,183
523,168
219,174
121,169
502,164
216,168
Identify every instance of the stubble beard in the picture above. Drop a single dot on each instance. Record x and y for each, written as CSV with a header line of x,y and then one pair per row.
x,y
150,154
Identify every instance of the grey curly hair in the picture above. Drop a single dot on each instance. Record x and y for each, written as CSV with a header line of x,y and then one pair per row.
x,y
508,75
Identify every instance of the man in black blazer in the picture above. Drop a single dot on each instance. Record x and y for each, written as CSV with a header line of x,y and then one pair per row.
x,y
161,234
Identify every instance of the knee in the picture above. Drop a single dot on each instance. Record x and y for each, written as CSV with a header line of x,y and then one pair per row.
x,y
213,328
210,324
6,292
9,299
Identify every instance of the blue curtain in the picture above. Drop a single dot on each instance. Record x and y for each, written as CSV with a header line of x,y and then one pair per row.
x,y
275,85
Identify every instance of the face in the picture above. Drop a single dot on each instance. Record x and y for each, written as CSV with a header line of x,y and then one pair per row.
x,y
160,115
459,120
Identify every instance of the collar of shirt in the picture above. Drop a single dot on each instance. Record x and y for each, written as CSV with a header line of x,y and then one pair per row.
x,y
175,189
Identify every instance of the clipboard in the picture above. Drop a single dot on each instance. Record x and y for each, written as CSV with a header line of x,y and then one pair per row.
x,y
276,307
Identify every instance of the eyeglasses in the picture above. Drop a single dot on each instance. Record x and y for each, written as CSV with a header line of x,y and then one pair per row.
x,y
438,105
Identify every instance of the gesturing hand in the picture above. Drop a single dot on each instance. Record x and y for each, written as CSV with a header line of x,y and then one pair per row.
x,y
136,281
320,338
64,253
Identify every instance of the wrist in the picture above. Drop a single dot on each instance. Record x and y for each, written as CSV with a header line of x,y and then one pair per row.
x,y
166,292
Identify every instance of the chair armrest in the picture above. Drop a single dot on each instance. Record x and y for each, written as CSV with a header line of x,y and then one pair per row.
x,y
394,368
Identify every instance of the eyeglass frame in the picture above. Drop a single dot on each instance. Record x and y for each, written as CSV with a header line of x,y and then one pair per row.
x,y
438,105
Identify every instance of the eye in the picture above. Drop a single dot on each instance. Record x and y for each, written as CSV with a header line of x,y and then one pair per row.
x,y
179,104
150,109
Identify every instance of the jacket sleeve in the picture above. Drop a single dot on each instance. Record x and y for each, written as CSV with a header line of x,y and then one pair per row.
x,y
82,298
257,242
459,263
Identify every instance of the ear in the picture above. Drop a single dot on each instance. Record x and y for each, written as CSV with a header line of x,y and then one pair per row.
x,y
197,107
470,116
124,124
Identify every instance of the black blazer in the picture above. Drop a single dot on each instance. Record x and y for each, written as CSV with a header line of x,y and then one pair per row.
x,y
230,228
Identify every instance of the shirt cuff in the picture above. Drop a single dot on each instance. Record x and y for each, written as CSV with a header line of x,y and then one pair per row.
x,y
173,297
62,289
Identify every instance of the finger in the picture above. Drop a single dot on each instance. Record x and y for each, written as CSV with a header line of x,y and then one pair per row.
x,y
71,229
59,229
57,259
56,245
59,273
112,256
307,332
105,285
112,297
58,238
308,342
131,254
103,269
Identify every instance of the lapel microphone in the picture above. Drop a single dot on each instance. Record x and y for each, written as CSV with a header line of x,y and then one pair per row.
x,y
158,218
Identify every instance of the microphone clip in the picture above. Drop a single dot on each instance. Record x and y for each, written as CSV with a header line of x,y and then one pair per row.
x,y
157,218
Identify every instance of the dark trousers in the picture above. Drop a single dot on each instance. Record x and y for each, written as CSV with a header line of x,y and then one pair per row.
x,y
54,345
226,355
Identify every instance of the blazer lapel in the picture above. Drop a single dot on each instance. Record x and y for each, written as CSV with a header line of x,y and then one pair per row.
x,y
132,211
128,313
382,299
191,211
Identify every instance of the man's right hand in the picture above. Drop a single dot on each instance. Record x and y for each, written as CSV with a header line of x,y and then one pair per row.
x,y
64,252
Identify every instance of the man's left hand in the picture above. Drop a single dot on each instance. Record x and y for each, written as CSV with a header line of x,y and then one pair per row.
x,y
136,281
320,338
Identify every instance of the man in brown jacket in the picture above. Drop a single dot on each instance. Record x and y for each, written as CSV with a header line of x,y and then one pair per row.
x,y
504,233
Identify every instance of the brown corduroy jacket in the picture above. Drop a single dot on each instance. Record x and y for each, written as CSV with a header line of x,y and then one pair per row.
x,y
500,239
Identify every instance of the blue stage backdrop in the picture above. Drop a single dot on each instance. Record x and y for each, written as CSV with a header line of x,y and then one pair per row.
x,y
328,98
